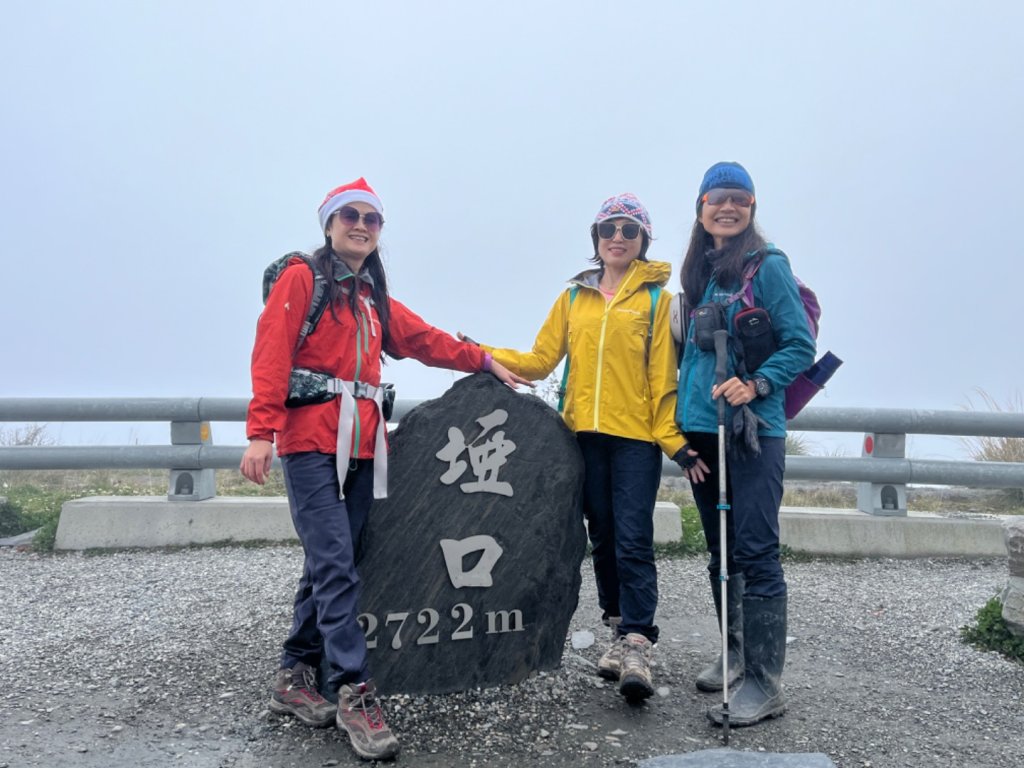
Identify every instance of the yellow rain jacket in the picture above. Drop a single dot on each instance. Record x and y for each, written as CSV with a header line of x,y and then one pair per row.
x,y
620,382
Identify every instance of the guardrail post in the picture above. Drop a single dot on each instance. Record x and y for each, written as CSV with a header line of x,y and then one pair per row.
x,y
886,499
191,484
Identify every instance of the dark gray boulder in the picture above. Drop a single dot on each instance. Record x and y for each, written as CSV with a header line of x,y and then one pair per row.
x,y
471,566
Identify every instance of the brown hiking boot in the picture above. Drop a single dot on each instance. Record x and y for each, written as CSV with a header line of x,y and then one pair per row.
x,y
359,716
610,664
295,694
635,673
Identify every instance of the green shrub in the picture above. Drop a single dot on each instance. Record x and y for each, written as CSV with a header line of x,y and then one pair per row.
x,y
693,541
12,520
992,634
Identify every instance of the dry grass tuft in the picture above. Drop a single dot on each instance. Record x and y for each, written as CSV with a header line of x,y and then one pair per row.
x,y
997,448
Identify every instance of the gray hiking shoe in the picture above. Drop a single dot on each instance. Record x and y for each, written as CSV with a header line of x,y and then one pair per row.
x,y
295,694
360,716
635,671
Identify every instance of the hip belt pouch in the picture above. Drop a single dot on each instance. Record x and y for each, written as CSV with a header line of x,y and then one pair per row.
x,y
753,330
306,387
707,318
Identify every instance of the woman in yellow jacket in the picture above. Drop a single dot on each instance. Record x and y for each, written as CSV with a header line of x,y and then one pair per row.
x,y
620,400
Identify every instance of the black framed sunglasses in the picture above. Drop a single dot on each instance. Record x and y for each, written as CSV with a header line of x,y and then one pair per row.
x,y
739,197
349,216
630,230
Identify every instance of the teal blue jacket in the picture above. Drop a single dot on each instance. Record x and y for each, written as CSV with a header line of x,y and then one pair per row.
x,y
775,290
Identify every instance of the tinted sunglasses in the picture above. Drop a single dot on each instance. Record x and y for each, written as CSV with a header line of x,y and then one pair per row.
x,y
349,216
606,230
739,197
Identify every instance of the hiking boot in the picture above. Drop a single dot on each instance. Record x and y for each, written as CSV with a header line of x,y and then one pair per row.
x,y
295,694
760,695
710,678
610,664
635,670
360,716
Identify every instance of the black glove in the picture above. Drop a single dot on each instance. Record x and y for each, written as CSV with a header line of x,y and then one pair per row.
x,y
684,459
745,424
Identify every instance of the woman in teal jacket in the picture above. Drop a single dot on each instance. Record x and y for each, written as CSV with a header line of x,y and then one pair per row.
x,y
723,243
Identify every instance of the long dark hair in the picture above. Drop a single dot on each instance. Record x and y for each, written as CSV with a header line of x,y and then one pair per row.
x,y
324,258
727,267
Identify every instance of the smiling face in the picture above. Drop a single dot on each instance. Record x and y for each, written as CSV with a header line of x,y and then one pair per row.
x,y
353,243
724,221
617,252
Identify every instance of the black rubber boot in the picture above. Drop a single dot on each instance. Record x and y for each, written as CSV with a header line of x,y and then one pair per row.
x,y
759,696
711,678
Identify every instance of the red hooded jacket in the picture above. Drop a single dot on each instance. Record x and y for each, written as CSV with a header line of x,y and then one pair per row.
x,y
348,348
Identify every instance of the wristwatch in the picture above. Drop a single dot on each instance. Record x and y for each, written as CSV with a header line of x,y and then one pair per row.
x,y
762,387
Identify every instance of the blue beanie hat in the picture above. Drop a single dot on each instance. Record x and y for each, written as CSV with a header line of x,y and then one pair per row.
x,y
725,176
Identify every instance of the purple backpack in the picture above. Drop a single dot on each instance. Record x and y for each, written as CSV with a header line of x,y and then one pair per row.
x,y
810,300
812,381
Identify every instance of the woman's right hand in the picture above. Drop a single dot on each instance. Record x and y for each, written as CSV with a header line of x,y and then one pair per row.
x,y
693,466
256,461
505,376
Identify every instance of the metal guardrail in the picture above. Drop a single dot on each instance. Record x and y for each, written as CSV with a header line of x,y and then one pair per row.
x,y
883,471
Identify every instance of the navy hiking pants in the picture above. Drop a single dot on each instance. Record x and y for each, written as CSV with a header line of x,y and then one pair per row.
x,y
326,602
754,493
620,487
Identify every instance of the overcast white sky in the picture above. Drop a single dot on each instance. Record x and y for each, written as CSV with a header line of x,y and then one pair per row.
x,y
156,156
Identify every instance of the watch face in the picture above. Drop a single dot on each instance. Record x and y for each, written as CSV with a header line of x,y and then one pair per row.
x,y
762,387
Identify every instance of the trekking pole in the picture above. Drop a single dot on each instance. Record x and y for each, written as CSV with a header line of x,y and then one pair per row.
x,y
721,355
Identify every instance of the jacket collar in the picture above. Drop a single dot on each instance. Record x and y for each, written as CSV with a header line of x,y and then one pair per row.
x,y
640,273
343,272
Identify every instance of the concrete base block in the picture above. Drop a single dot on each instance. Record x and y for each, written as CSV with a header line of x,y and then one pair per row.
x,y
845,533
124,522
668,526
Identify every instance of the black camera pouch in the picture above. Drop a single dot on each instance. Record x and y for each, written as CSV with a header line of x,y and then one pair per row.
x,y
707,318
306,387
753,331
387,405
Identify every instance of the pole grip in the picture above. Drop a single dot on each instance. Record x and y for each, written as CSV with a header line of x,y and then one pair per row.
x,y
721,354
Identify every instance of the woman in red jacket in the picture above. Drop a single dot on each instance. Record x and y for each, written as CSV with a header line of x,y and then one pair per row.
x,y
334,454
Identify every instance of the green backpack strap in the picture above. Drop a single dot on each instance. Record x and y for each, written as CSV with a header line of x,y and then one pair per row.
x,y
565,371
654,290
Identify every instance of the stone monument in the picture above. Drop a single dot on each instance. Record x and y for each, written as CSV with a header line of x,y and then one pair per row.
x,y
1013,595
471,566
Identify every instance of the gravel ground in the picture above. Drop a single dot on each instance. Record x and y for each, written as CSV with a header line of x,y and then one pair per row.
x,y
164,658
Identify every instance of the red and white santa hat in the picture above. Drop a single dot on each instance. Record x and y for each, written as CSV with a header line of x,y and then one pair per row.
x,y
357,191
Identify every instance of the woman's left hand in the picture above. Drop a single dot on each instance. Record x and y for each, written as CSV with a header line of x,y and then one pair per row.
x,y
505,376
735,391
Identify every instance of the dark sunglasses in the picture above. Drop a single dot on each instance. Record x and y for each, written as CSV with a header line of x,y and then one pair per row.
x,y
739,197
606,230
350,217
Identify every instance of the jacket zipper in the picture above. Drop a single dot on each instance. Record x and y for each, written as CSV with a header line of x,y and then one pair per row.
x,y
359,365
600,352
